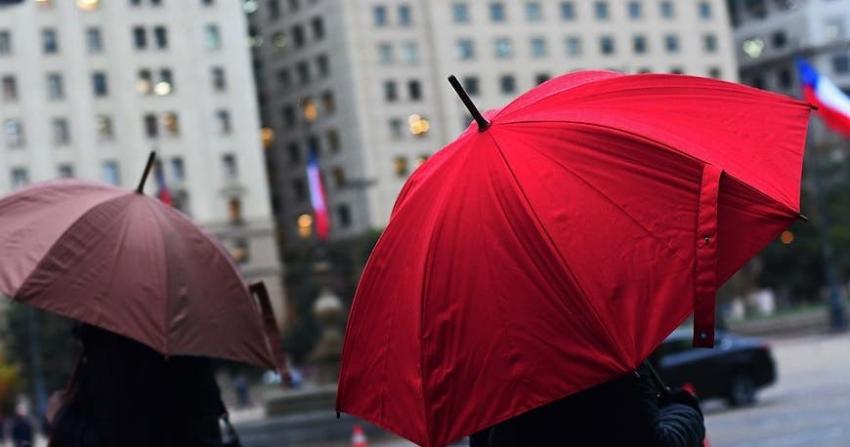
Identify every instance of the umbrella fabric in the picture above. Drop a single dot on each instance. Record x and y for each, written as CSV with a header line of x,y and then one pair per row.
x,y
129,264
556,249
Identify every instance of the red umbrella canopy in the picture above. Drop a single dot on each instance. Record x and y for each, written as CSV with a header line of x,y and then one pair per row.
x,y
557,248
132,265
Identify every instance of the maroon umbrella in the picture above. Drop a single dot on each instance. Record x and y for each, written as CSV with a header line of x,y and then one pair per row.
x,y
125,262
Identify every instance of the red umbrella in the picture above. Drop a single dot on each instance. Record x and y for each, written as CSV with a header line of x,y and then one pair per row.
x,y
554,246
128,263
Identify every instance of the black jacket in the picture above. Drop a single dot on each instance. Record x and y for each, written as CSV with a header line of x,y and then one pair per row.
x,y
625,412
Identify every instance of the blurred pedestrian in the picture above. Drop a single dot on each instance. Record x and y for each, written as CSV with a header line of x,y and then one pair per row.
x,y
21,427
240,386
627,411
125,394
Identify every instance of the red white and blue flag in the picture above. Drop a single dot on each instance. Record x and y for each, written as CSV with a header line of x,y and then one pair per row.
x,y
833,104
317,197
162,192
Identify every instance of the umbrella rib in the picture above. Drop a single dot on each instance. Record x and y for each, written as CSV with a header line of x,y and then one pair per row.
x,y
660,144
560,255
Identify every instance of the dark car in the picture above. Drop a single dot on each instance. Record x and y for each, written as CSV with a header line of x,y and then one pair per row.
x,y
734,370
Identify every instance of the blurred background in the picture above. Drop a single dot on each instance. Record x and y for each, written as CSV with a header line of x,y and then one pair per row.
x,y
288,127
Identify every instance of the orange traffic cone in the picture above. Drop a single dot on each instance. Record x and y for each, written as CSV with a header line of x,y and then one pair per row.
x,y
358,437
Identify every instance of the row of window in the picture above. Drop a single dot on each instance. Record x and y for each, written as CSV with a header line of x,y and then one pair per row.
x,y
413,89
110,173
784,77
341,219
155,125
143,38
534,10
92,5
159,82
304,71
297,36
401,16
274,7
504,48
332,145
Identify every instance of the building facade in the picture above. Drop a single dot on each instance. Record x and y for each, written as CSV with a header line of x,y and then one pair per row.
x,y
770,34
88,88
362,83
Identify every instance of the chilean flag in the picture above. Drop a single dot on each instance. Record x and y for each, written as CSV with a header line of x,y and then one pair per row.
x,y
162,192
833,104
317,197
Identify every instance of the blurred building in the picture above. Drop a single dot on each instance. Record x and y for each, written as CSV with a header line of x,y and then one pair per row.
x,y
88,88
364,82
769,34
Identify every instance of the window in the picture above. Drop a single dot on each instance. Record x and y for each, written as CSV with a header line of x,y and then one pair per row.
x,y
333,141
671,43
299,190
715,72
639,44
49,41
606,45
207,2
109,172
151,126
171,123
20,178
709,43
144,83
573,46
390,91
105,130
471,85
178,169
160,37
165,86
409,52
140,38
294,5
533,11
135,3
65,170
405,16
379,15
229,167
5,43
460,12
274,8
786,80
568,11
212,37
14,133
635,10
343,213
94,40
55,87
504,48
284,77
61,131
507,84
303,70
414,90
385,53
10,88
704,10
225,127
298,37
541,78
677,70
219,81
538,47
323,65
294,152
779,39
318,27
497,12
339,176
328,102
400,166
667,9
465,49
600,10
289,115
396,129
841,64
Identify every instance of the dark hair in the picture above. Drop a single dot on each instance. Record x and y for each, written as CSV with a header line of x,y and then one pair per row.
x,y
127,394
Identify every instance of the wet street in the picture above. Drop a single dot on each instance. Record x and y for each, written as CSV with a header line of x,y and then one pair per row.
x,y
808,406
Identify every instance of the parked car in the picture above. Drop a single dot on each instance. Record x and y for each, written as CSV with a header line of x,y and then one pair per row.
x,y
734,370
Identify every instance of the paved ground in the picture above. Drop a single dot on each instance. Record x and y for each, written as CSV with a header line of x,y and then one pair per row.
x,y
809,405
